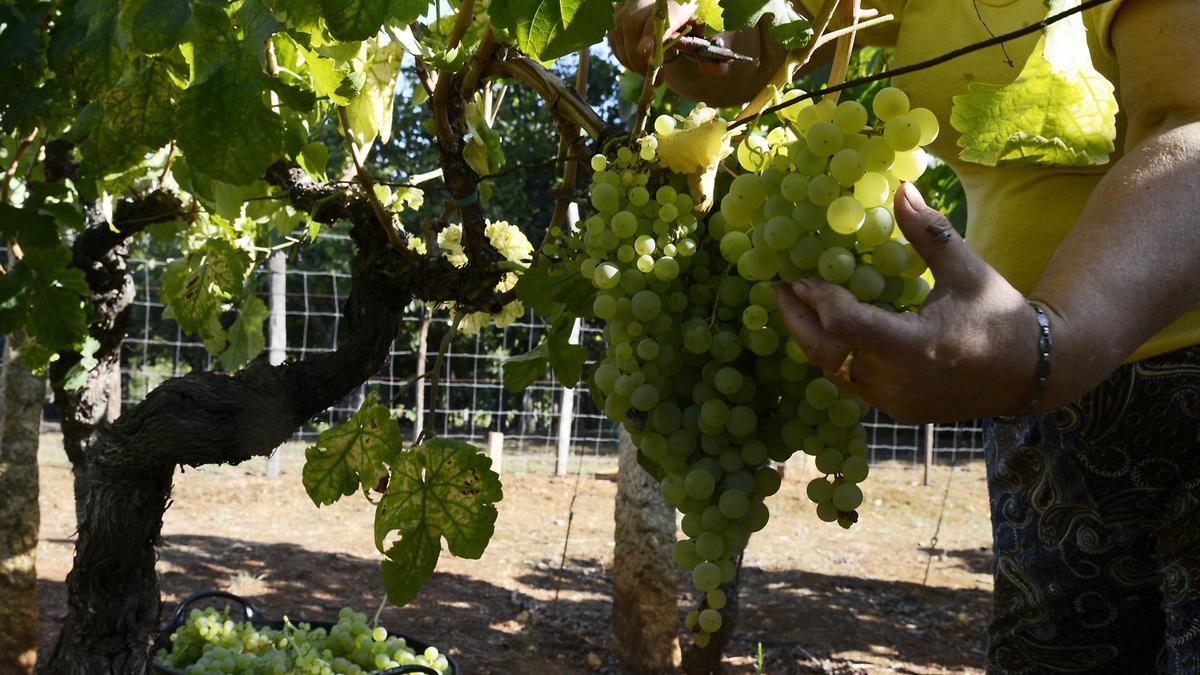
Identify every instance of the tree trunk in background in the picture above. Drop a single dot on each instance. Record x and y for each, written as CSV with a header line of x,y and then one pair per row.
x,y
23,396
645,579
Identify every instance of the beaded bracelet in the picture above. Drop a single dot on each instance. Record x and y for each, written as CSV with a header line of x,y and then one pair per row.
x,y
1042,372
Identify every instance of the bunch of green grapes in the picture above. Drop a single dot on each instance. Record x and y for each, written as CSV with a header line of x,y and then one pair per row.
x,y
210,642
698,364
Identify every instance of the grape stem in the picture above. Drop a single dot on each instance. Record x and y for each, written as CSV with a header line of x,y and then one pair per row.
x,y
848,11
931,62
656,62
435,377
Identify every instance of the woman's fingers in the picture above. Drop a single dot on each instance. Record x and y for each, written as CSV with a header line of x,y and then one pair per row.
x,y
823,350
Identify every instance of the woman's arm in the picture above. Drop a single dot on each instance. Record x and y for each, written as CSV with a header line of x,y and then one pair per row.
x,y
1132,265
1129,267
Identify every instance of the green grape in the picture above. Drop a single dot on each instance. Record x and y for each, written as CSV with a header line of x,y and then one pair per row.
x,y
890,258
666,269
665,195
915,292
733,504
710,546
599,162
823,189
866,283
780,233
624,224
699,484
820,490
734,245
829,461
821,394
876,228
754,317
902,133
728,380
742,420
806,253
685,555
673,490
706,576
607,276
645,305
836,265
872,190
766,482
604,306
878,154
847,167
910,165
761,294
847,497
709,620
930,127
639,196
808,163
712,519
845,215
757,516
731,460
827,512
644,245
844,413
715,600
794,187
754,453
889,102
605,198
753,153
824,139
855,469
850,117
749,189
758,264
644,398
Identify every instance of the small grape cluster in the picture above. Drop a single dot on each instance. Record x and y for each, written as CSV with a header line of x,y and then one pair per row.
x,y
210,643
698,364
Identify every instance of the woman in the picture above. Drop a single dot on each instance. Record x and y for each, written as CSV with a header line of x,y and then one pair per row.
x,y
1094,483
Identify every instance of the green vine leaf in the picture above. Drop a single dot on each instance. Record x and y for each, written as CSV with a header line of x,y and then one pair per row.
x,y
787,27
1060,111
245,336
351,20
709,13
371,111
554,351
137,114
547,30
225,128
157,25
438,489
44,296
352,455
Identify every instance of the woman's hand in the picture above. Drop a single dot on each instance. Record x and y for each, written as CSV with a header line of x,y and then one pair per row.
x,y
970,352
716,83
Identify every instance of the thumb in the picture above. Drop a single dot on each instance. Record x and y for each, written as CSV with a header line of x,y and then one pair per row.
x,y
933,237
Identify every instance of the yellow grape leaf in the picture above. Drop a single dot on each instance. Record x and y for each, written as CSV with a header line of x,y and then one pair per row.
x,y
1060,111
697,152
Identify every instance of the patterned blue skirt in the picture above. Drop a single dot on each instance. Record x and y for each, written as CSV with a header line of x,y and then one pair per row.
x,y
1096,520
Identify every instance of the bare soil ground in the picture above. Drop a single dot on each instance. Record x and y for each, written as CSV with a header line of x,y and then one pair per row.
x,y
817,598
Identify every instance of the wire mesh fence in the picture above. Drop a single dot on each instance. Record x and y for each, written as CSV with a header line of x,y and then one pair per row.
x,y
471,399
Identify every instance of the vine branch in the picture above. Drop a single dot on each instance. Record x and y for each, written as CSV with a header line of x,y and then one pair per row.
x,y
368,185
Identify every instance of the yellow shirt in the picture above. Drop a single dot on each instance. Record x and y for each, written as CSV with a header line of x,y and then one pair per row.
x,y
1016,217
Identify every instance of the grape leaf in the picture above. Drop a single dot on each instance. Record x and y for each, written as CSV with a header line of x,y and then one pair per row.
x,y
76,377
304,15
157,25
554,351
136,114
709,13
408,11
225,128
546,289
547,30
1059,111
371,111
353,454
196,288
439,489
48,297
245,336
787,27
351,20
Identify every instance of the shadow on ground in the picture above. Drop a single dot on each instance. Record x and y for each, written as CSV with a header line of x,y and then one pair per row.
x,y
806,622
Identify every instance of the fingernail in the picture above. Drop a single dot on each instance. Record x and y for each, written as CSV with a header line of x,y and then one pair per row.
x,y
801,287
913,196
646,45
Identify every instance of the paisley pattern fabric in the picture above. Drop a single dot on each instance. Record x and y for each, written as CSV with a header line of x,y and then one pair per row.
x,y
1096,520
